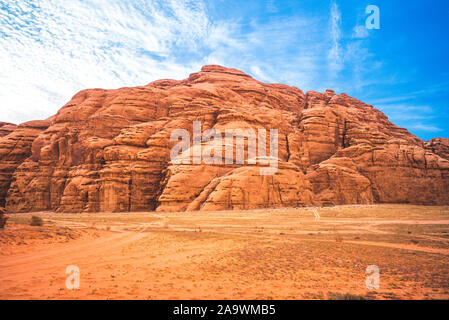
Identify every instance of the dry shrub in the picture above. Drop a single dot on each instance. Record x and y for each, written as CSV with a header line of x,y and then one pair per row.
x,y
36,221
344,296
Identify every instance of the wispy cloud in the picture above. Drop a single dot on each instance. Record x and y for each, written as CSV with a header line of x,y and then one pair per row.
x,y
360,32
407,110
412,116
438,88
50,50
424,127
290,50
335,54
260,74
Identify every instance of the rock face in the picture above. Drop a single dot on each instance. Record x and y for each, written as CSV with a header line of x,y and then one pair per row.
x,y
439,146
15,148
6,128
109,150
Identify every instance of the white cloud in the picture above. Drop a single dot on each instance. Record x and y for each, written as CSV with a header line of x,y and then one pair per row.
x,y
51,51
335,54
360,32
426,91
259,74
289,50
411,116
424,127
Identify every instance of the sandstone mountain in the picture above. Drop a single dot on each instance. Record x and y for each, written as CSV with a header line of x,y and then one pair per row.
x,y
109,150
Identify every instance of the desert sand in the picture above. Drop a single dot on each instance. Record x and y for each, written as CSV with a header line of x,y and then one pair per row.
x,y
256,254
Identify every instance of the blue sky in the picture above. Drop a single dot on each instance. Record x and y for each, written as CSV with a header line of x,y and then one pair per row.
x,y
49,50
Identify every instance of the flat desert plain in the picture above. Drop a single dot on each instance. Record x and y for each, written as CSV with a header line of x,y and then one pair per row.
x,y
258,254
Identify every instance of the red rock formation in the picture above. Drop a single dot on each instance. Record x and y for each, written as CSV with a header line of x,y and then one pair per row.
x,y
6,128
109,150
439,146
14,149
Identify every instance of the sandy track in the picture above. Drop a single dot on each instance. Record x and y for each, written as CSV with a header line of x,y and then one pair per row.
x,y
30,265
71,250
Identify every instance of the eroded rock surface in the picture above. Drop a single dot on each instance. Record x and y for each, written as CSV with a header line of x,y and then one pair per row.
x,y
6,128
15,148
439,146
109,150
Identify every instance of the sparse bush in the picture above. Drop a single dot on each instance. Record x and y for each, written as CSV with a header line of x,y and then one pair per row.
x,y
328,205
344,296
36,221
3,219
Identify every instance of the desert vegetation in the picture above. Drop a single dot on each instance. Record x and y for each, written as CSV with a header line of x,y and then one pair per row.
x,y
36,221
